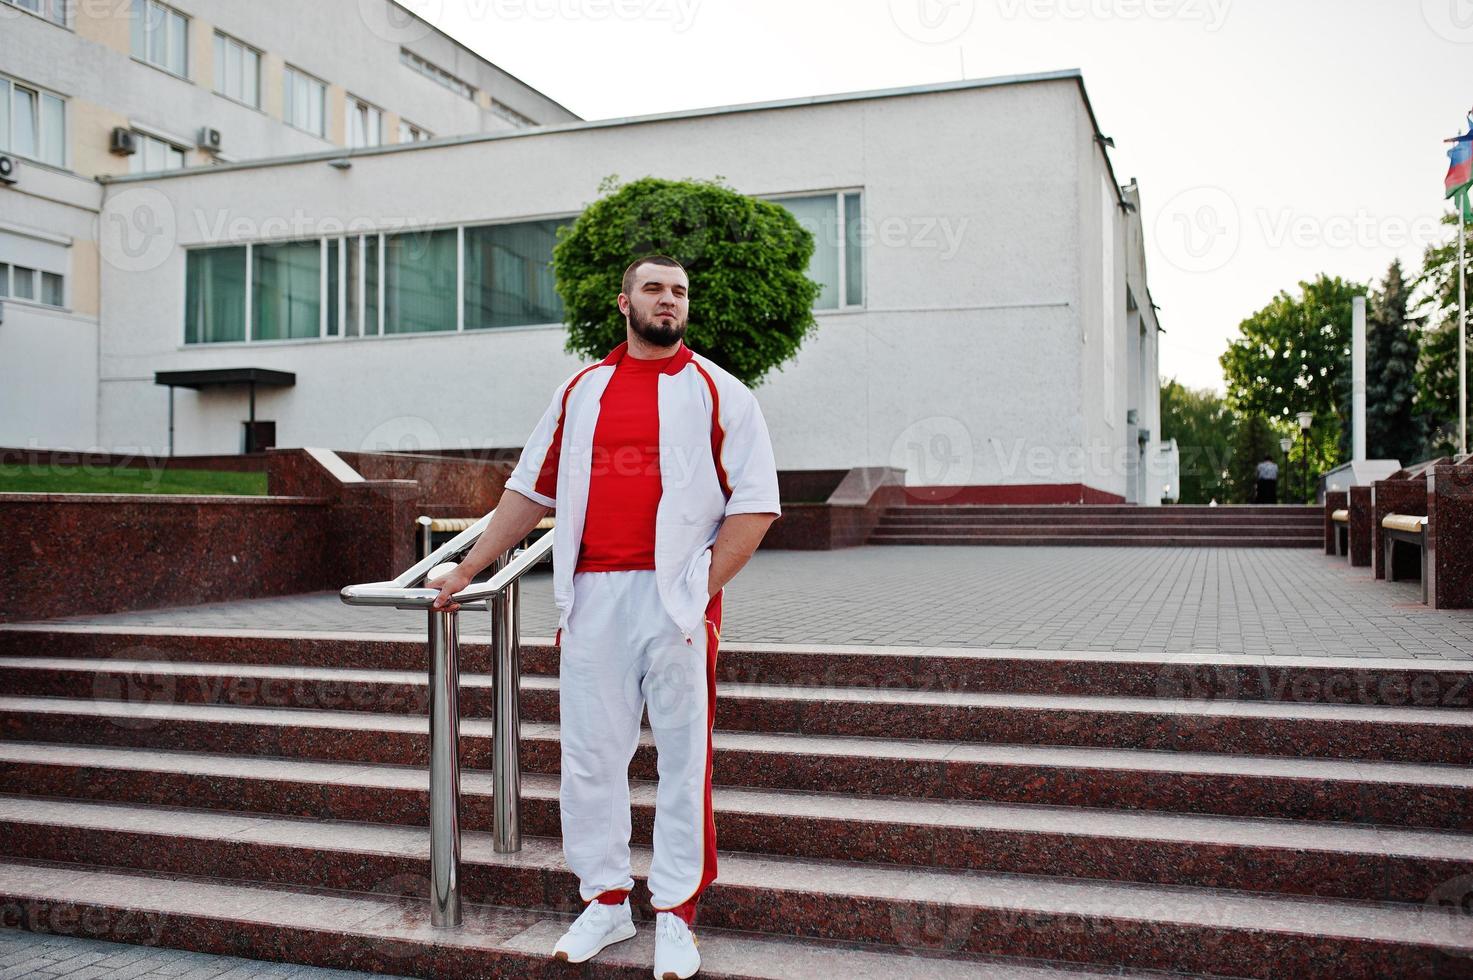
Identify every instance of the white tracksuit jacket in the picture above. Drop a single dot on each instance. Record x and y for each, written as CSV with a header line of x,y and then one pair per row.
x,y
715,460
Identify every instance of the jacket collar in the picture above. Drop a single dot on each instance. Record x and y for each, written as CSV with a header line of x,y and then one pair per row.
x,y
683,356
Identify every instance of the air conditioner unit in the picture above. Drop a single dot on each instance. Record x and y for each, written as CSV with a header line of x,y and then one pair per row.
x,y
209,139
7,169
124,141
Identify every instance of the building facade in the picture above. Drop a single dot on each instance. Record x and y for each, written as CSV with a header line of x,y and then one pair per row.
x,y
985,321
91,90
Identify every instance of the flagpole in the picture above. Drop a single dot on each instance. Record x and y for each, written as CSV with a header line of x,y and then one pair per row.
x,y
1462,331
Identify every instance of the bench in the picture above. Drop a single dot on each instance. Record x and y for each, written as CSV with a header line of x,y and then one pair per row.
x,y
435,531
1340,527
1404,529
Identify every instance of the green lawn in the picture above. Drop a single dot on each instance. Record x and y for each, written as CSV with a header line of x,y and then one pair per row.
x,y
19,478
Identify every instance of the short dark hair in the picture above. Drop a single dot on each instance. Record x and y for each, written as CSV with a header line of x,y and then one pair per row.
x,y
627,286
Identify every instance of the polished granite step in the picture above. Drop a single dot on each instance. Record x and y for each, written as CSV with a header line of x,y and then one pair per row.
x,y
1391,793
1254,854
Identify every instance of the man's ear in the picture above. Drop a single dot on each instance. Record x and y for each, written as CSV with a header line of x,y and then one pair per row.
x,y
623,303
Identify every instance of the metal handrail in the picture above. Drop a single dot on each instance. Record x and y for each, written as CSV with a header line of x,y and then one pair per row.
x,y
502,595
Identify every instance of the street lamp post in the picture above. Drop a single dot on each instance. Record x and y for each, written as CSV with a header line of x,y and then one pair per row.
x,y
1286,444
1305,420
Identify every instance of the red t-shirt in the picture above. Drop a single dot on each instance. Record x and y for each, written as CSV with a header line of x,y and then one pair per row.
x,y
624,481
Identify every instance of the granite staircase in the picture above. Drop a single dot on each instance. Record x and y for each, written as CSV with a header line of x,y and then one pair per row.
x,y
882,813
1286,526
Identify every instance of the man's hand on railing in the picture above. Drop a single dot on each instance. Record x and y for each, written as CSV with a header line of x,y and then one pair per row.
x,y
450,583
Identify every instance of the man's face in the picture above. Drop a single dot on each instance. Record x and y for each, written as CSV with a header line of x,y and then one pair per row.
x,y
658,308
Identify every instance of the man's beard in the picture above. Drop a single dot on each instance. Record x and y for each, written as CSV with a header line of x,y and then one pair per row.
x,y
658,334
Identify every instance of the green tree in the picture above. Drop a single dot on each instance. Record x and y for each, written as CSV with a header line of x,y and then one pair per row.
x,y
1199,420
1437,368
1393,428
1253,438
1294,356
751,298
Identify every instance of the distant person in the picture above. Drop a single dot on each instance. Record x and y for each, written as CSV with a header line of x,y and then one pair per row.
x,y
1268,481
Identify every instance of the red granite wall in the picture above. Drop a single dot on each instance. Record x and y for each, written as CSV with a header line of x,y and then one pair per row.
x,y
67,554
319,529
1450,537
237,463
1360,526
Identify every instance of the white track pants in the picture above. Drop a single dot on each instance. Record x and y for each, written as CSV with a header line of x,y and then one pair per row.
x,y
621,652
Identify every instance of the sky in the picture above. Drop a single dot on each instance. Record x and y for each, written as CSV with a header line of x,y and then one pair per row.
x,y
1273,139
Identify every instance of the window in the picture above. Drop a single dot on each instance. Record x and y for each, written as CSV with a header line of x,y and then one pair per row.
x,y
511,115
838,255
508,275
237,71
436,74
410,133
52,10
365,123
305,102
419,281
155,154
214,294
160,36
36,285
32,123
373,284
286,290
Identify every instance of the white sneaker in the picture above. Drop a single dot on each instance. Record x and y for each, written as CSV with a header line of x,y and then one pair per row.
x,y
598,926
675,948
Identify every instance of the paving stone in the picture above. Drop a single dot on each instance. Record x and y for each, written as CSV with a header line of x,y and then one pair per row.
x,y
1226,600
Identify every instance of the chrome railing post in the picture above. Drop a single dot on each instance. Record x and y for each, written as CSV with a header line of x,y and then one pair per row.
x,y
444,769
506,771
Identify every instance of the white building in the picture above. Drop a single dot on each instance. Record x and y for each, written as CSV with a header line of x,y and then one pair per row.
x,y
94,89
985,321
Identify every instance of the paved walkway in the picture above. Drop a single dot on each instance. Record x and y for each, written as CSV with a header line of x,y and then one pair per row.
x,y
39,955
1226,600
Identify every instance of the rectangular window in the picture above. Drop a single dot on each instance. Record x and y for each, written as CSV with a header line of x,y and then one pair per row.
x,y
214,294
25,121
352,286
365,123
305,102
511,115
853,253
436,74
237,70
154,155
23,282
372,322
32,123
837,265
419,281
160,36
4,279
410,133
508,275
51,289
333,247
820,215
52,10
286,289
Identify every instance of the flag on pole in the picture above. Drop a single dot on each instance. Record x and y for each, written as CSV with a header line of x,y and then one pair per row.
x,y
1460,171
